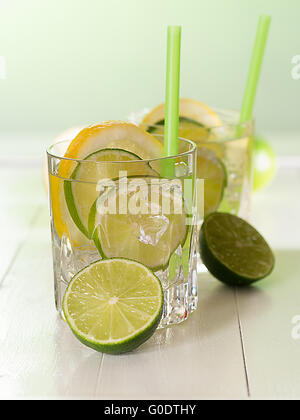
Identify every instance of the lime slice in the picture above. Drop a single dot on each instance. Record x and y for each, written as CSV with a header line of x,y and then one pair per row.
x,y
212,170
233,251
114,306
106,135
142,231
81,193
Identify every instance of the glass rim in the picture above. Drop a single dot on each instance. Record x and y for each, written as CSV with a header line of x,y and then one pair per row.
x,y
244,126
181,139
230,113
230,120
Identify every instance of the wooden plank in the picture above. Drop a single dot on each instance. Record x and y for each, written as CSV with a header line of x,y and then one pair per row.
x,y
268,309
39,356
267,312
200,359
21,195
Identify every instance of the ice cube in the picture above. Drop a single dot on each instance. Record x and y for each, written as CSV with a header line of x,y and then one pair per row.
x,y
181,169
149,229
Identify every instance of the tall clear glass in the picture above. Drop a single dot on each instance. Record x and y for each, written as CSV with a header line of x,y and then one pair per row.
x,y
224,161
145,210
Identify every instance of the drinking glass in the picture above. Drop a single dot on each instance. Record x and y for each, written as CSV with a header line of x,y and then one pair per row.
x,y
145,211
224,162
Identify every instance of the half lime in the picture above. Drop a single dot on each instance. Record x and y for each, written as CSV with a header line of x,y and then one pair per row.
x,y
233,251
114,306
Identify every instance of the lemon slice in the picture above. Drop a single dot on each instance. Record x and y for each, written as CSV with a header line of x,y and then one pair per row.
x,y
111,134
147,230
114,306
114,134
212,170
195,120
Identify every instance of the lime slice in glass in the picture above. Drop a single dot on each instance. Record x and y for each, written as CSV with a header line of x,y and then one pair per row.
x,y
149,223
212,170
114,306
81,191
233,251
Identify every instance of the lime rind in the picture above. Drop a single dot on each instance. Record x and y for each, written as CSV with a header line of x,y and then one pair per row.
x,y
124,344
72,207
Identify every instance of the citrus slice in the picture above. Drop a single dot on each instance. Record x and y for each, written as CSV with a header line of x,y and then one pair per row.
x,y
233,251
195,120
187,129
147,224
114,306
83,189
212,170
112,134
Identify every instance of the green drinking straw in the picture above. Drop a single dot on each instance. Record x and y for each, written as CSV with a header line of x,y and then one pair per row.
x,y
255,68
172,95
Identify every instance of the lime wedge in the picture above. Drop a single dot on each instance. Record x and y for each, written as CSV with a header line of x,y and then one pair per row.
x,y
114,306
233,251
143,231
212,170
82,191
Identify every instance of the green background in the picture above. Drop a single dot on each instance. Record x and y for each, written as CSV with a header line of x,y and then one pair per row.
x,y
73,62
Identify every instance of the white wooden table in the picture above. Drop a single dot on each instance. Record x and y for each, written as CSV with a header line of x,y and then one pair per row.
x,y
239,344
